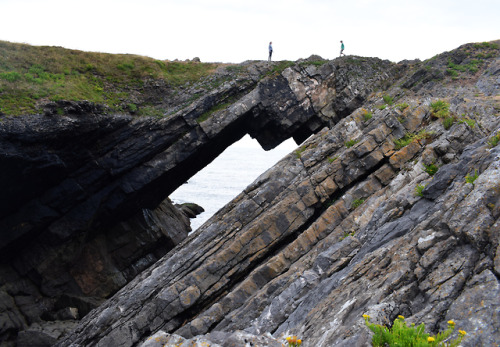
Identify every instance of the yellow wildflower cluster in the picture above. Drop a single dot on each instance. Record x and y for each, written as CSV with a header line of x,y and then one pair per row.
x,y
400,334
293,341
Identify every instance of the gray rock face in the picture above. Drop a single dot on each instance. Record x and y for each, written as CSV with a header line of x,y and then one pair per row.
x,y
73,181
335,230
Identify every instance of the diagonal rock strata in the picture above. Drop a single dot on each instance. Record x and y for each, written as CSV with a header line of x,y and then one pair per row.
x,y
336,229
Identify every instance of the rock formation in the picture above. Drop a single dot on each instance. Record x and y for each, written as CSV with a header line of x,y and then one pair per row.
x,y
355,221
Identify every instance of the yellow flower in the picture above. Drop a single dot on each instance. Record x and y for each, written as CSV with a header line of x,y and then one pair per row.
x,y
430,339
461,332
365,316
288,338
451,322
401,317
299,342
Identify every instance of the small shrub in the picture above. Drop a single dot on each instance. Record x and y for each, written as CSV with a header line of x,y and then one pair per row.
x,y
440,109
471,123
298,152
419,190
124,66
11,76
279,67
494,140
347,234
367,116
402,106
356,203
132,108
486,45
452,73
448,122
382,107
402,335
351,143
331,160
388,100
431,169
471,178
404,141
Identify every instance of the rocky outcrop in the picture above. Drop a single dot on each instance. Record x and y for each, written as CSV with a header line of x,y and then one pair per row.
x,y
351,223
76,174
355,221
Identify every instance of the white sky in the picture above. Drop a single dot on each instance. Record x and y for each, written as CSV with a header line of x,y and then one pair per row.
x,y
237,30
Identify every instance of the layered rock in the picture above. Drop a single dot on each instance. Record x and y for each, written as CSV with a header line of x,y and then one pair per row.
x,y
348,224
76,174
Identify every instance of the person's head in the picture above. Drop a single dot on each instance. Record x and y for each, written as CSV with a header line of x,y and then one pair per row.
x,y
340,41
270,43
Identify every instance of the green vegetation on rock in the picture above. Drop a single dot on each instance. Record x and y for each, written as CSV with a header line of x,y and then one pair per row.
x,y
409,138
471,178
31,76
431,169
419,190
411,336
440,109
351,143
494,140
388,100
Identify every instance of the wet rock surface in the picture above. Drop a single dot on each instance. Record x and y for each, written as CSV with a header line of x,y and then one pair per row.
x,y
350,223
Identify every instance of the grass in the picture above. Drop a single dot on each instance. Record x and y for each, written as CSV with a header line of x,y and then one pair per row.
x,y
350,143
279,67
401,334
356,203
419,190
448,121
440,109
493,142
217,107
431,169
388,100
471,123
298,152
409,138
315,63
367,116
31,75
472,67
471,178
402,106
486,45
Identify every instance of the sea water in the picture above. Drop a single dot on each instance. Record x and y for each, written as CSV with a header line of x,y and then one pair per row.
x,y
228,175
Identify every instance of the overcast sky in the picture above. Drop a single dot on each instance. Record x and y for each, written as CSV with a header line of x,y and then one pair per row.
x,y
237,30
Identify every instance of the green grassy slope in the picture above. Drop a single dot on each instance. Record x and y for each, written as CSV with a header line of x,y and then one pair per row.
x,y
31,76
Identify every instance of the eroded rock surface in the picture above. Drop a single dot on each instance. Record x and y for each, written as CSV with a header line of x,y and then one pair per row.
x,y
350,223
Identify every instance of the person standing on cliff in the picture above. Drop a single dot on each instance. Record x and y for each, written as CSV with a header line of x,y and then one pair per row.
x,y
270,51
341,48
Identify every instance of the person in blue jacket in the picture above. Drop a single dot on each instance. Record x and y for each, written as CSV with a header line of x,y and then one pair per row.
x,y
270,51
341,48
